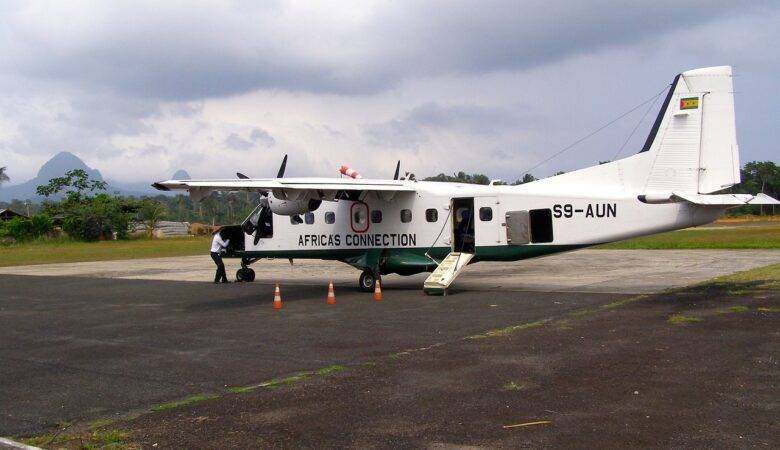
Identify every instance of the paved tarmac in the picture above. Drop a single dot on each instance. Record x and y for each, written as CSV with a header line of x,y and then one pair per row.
x,y
77,349
110,340
604,271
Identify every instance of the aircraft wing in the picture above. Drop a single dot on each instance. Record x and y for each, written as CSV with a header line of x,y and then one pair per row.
x,y
722,200
291,188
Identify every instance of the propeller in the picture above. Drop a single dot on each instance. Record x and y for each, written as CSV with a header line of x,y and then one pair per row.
x,y
397,168
280,174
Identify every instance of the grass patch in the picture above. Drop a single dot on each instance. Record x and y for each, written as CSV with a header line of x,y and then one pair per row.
x,y
115,439
512,386
110,437
330,370
767,277
100,423
286,380
768,309
64,250
241,389
43,440
625,301
738,309
323,372
582,312
678,319
183,402
507,330
745,237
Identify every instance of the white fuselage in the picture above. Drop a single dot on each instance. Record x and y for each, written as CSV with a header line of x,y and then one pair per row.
x,y
577,219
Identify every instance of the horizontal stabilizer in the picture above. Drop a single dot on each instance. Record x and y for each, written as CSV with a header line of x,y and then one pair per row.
x,y
726,200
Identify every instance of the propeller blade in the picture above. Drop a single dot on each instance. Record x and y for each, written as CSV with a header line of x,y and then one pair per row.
x,y
397,168
282,167
242,176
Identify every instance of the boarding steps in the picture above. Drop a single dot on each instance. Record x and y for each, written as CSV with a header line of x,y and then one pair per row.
x,y
449,269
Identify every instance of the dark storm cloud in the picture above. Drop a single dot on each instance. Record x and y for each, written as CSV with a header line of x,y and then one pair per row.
x,y
262,137
414,126
257,136
159,50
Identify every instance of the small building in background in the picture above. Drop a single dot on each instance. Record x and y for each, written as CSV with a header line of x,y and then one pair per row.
x,y
7,214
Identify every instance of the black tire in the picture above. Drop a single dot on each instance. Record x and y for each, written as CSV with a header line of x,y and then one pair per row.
x,y
367,281
245,274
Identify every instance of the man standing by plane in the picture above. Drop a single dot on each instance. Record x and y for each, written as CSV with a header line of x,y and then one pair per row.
x,y
218,245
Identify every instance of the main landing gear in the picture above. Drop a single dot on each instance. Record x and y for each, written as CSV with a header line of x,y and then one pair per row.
x,y
245,273
368,280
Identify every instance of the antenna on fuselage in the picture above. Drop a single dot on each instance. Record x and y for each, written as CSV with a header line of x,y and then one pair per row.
x,y
397,170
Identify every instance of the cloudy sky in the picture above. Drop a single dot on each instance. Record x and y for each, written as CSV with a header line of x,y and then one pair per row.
x,y
139,89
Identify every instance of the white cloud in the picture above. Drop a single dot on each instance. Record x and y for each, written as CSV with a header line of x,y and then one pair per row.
x,y
140,89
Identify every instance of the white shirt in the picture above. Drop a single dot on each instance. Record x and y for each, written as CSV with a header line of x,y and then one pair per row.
x,y
217,244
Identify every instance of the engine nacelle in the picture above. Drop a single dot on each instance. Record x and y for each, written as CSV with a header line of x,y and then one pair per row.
x,y
293,207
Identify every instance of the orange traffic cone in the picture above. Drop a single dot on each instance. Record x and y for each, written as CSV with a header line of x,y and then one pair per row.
x,y
331,295
377,291
277,298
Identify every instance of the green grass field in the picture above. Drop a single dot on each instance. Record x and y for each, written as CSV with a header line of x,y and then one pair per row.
x,y
738,237
59,251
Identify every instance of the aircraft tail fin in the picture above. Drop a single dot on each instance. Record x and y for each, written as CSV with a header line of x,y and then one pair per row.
x,y
693,141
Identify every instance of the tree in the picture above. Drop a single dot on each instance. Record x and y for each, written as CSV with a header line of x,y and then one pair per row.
x,y
75,183
151,211
760,176
461,177
527,178
3,175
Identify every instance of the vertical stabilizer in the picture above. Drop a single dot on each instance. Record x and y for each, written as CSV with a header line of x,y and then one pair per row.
x,y
693,142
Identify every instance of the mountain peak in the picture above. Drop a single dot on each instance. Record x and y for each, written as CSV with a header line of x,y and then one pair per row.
x,y
63,162
181,174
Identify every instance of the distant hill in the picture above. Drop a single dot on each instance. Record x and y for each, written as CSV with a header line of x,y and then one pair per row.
x,y
181,175
65,161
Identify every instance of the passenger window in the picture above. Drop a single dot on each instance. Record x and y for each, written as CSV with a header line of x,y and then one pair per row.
x,y
309,218
486,214
376,216
330,217
406,215
431,215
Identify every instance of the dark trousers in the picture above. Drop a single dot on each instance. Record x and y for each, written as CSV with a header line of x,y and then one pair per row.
x,y
220,276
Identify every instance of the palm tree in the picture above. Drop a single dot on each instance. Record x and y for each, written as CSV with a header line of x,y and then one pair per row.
x,y
3,175
151,211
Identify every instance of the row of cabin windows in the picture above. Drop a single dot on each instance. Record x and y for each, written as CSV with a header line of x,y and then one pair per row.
x,y
431,215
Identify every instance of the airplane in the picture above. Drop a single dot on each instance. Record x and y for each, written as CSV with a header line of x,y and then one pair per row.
x,y
405,226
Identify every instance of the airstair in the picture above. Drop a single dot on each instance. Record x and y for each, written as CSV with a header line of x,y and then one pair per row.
x,y
449,269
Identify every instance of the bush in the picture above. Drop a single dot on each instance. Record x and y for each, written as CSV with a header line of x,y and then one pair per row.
x,y
41,225
22,228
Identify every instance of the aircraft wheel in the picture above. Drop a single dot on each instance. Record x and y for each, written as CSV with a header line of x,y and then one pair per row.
x,y
245,274
367,281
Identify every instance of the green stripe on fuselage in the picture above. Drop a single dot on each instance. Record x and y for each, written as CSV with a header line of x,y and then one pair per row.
x,y
408,261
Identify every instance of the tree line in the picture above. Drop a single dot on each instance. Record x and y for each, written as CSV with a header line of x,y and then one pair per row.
x,y
86,211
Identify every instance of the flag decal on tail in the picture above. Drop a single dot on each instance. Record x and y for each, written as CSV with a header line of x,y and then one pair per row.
x,y
689,103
